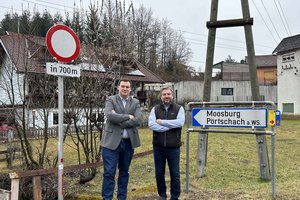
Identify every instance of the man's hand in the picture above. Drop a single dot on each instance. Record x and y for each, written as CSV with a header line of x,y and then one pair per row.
x,y
131,117
158,121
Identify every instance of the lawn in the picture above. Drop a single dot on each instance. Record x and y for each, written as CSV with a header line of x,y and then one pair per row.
x,y
232,170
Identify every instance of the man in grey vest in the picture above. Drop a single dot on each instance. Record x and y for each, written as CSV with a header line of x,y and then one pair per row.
x,y
166,121
120,137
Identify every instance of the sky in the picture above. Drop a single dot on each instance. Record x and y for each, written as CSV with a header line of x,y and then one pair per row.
x,y
273,21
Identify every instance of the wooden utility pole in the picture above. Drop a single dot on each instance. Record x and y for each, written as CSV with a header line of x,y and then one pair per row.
x,y
260,139
246,21
203,137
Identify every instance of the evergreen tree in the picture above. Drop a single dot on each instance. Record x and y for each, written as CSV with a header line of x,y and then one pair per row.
x,y
57,18
15,23
41,24
6,24
24,23
47,22
93,26
67,21
77,24
106,32
35,24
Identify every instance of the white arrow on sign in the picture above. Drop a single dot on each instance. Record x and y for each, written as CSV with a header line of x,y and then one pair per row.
x,y
230,117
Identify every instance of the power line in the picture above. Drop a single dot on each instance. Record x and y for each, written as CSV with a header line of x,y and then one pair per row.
x,y
61,5
10,8
222,46
288,28
218,45
197,61
226,46
271,20
74,9
227,39
264,22
47,6
281,18
56,4
44,5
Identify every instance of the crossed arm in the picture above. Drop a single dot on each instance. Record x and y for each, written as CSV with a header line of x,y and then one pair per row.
x,y
122,119
162,125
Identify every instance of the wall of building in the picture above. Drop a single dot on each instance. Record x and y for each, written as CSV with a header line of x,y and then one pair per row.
x,y
11,84
288,73
156,86
35,117
234,91
267,75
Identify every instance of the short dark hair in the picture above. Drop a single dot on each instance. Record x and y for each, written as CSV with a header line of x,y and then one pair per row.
x,y
124,80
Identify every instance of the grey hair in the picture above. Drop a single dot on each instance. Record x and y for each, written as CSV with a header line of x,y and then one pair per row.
x,y
166,88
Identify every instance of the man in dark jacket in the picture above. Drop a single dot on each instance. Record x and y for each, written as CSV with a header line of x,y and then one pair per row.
x,y
166,121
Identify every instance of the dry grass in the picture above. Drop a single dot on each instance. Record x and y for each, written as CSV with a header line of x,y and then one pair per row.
x,y
232,170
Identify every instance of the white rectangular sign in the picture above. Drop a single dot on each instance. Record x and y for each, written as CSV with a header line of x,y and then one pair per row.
x,y
230,117
60,69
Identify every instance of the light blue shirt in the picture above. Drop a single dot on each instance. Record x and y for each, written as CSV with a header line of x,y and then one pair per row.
x,y
166,124
124,133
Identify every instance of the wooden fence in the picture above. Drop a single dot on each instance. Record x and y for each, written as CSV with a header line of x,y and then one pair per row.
x,y
35,133
36,176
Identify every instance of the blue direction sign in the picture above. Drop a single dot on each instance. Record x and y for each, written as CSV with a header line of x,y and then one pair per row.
x,y
230,117
278,117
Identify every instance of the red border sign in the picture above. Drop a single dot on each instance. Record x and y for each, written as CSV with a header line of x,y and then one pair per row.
x,y
51,48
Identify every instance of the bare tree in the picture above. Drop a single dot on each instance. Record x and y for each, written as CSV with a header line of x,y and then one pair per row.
x,y
155,34
143,19
110,24
26,91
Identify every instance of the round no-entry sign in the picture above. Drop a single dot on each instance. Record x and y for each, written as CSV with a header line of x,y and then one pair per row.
x,y
62,43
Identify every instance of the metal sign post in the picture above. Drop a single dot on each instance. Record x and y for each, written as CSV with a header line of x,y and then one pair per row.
x,y
10,135
63,44
60,83
252,115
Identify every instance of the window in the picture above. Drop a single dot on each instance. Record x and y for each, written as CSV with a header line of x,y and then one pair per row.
x,y
288,57
269,75
287,66
55,119
93,117
226,91
288,108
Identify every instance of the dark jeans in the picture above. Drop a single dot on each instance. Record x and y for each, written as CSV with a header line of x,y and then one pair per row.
x,y
120,157
172,155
